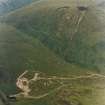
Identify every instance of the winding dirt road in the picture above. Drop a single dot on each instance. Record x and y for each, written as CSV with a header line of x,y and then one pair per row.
x,y
25,88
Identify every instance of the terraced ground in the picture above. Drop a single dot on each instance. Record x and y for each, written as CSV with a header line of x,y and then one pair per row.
x,y
59,38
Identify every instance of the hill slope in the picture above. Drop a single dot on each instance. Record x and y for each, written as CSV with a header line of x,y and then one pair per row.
x,y
64,28
11,5
20,52
61,39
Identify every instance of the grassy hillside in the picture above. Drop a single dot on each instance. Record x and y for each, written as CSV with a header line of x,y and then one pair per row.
x,y
65,29
20,52
59,38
